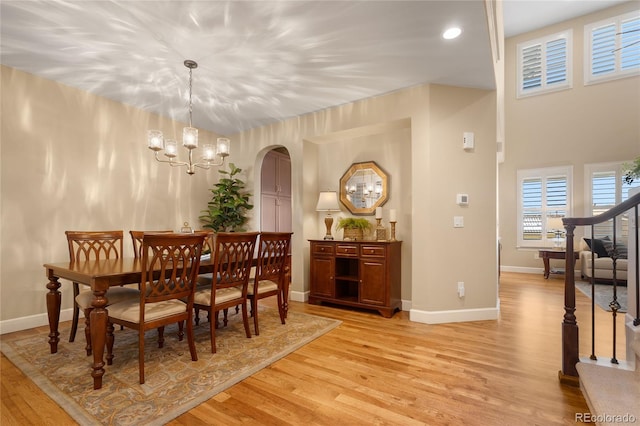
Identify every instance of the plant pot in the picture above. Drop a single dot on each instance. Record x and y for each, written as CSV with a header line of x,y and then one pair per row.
x,y
353,234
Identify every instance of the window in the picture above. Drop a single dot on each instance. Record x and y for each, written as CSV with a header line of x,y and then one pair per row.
x,y
612,48
544,64
542,194
605,188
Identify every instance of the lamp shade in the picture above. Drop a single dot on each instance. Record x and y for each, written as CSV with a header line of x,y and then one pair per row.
x,y
555,223
328,202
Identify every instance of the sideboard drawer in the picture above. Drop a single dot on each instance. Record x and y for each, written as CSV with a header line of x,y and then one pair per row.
x,y
375,251
322,248
346,250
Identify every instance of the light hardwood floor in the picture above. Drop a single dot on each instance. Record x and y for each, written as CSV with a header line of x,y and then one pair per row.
x,y
372,370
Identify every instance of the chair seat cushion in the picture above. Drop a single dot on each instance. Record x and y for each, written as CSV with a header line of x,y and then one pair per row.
x,y
203,296
114,295
129,310
264,286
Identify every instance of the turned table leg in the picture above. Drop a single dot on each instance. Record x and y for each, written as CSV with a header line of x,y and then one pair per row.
x,y
53,311
98,322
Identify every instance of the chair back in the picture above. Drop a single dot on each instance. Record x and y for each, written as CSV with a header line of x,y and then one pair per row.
x,y
94,245
136,239
209,241
170,267
272,256
232,258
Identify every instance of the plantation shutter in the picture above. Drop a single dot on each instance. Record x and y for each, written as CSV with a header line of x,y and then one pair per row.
x,y
532,67
630,44
543,64
556,61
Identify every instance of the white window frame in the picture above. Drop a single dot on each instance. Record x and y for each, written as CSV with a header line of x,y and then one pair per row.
x,y
589,77
544,174
545,87
589,170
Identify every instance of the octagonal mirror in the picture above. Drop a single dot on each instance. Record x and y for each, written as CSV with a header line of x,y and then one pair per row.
x,y
363,187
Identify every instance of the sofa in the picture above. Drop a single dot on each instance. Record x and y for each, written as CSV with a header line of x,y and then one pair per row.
x,y
603,263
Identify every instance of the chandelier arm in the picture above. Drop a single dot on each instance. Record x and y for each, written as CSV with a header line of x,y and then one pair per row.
x,y
170,161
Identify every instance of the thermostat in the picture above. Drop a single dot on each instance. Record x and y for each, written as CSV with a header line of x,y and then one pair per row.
x,y
462,199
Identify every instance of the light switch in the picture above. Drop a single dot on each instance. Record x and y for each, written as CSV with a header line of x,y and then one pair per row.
x,y
468,140
458,221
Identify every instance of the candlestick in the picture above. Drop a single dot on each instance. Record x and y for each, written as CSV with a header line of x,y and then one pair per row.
x,y
392,215
393,231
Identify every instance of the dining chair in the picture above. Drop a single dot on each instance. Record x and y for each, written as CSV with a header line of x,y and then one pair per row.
x,y
136,239
170,266
94,245
269,274
232,258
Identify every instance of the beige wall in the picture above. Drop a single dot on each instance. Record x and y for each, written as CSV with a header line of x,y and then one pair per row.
x,y
582,125
71,160
75,161
425,180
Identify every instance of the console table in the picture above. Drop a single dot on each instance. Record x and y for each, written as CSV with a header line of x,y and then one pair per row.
x,y
362,274
555,254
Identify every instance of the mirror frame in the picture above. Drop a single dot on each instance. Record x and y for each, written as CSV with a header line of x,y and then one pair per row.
x,y
355,167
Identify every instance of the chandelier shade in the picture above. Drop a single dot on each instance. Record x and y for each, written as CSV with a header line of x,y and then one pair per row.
x,y
212,155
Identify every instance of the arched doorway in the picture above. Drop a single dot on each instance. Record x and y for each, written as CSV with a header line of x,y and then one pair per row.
x,y
275,191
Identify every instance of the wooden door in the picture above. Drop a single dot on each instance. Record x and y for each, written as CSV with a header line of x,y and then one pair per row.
x,y
373,282
275,197
322,276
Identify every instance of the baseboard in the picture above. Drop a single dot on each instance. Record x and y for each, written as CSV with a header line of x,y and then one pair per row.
x,y
299,296
529,270
462,315
522,269
32,321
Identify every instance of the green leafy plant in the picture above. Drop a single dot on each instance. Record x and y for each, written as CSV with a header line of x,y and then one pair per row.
x,y
227,210
353,223
632,171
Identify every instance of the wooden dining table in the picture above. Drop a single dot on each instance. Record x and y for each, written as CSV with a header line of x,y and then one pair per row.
x,y
100,275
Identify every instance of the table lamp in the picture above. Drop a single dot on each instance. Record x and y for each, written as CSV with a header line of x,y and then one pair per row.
x,y
555,225
328,202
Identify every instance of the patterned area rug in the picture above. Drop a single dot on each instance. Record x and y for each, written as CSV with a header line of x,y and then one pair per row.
x,y
604,295
173,383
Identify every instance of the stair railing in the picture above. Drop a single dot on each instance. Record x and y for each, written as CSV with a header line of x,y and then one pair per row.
x,y
570,342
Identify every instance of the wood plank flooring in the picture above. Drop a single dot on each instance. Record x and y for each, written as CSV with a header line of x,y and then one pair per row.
x,y
372,370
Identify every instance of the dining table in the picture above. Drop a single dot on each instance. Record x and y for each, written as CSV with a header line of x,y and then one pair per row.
x,y
100,275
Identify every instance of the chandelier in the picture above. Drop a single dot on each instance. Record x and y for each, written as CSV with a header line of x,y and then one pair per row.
x,y
211,155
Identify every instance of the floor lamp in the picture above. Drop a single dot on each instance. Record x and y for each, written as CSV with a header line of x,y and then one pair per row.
x,y
328,202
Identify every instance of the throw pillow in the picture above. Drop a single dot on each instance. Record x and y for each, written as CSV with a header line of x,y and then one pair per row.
x,y
621,248
598,246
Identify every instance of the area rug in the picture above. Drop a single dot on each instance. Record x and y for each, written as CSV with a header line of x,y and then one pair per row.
x,y
173,383
604,295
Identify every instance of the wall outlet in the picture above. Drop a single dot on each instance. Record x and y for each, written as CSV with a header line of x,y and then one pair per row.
x,y
460,289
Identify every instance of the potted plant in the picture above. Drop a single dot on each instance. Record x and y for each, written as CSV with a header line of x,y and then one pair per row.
x,y
227,210
632,171
353,229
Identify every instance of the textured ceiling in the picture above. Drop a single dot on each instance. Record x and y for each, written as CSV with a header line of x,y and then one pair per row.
x,y
259,62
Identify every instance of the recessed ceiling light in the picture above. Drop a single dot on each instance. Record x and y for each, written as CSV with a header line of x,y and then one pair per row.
x,y
451,33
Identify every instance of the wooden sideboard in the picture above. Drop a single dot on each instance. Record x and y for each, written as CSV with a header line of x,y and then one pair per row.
x,y
362,274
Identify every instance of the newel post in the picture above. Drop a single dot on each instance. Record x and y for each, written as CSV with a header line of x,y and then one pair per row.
x,y
570,347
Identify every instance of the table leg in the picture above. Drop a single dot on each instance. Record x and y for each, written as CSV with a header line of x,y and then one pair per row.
x,y
547,269
53,311
98,322
285,294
